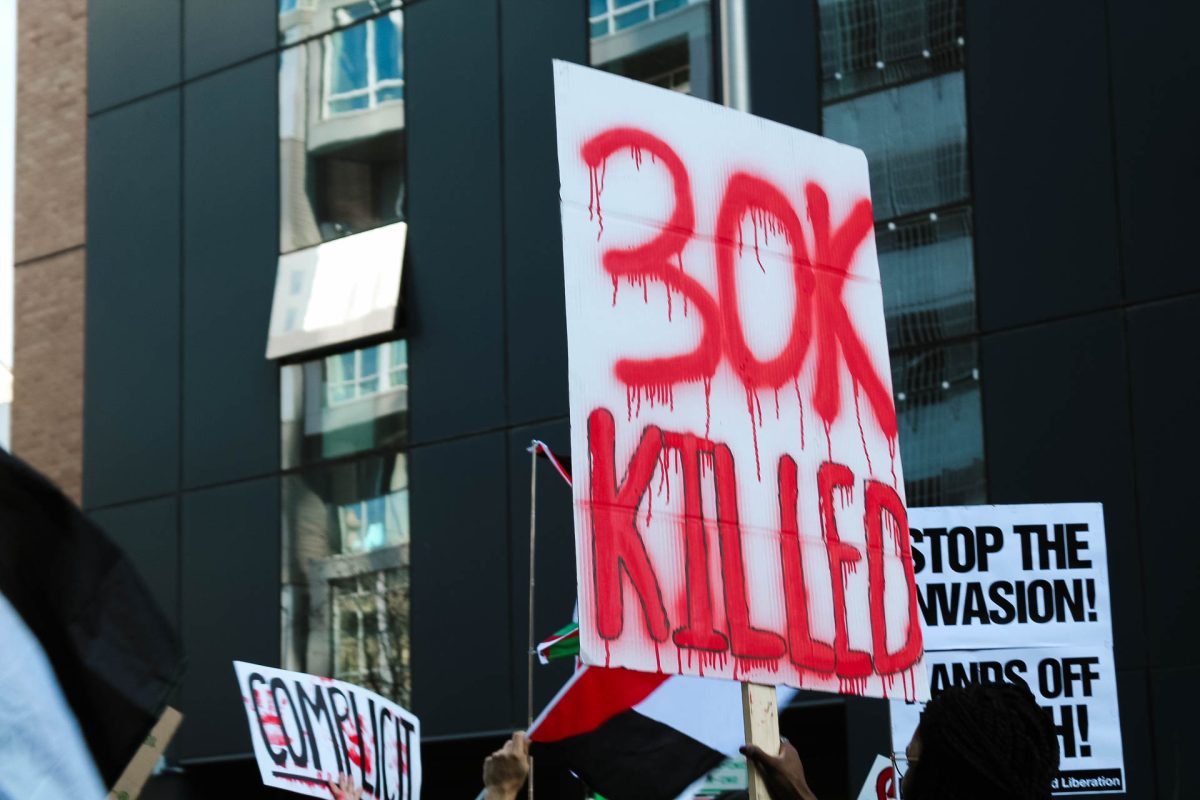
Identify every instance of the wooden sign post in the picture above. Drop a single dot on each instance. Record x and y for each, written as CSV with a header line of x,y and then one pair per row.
x,y
129,786
761,717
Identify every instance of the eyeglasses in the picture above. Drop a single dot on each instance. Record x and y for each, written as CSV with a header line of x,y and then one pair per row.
x,y
897,759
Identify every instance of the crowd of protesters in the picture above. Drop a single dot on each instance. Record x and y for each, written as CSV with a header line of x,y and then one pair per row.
x,y
982,742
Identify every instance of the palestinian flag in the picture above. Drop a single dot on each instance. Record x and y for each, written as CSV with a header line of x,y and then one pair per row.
x,y
86,658
640,735
563,643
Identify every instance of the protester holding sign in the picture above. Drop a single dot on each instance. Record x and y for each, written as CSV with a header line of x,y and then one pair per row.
x,y
1019,595
505,770
983,741
784,773
309,731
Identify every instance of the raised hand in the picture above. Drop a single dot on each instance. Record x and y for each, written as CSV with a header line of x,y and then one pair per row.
x,y
505,770
783,773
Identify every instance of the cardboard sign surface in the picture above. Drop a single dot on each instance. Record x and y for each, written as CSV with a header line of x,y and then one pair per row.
x,y
1020,594
739,508
1000,576
133,780
307,731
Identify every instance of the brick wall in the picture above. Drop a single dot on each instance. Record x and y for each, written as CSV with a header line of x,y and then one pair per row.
x,y
47,427
48,362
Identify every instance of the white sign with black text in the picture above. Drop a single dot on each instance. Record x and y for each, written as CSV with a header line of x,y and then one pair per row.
x,y
309,732
1020,594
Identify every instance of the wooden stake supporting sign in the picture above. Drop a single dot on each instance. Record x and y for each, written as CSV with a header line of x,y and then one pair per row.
x,y
761,717
129,786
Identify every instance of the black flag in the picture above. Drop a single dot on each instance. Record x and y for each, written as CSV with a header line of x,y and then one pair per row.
x,y
115,656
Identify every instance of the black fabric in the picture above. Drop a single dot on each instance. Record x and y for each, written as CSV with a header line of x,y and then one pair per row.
x,y
632,757
113,652
565,460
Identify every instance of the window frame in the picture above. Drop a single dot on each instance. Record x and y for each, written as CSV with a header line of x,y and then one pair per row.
x,y
370,564
375,84
390,376
612,11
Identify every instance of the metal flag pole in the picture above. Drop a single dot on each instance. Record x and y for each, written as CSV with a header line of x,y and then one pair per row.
x,y
533,455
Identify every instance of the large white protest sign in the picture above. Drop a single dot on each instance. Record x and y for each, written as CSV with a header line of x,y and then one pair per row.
x,y
741,512
308,731
742,509
1019,594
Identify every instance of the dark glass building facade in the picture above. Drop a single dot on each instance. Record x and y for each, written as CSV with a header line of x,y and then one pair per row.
x,y
361,510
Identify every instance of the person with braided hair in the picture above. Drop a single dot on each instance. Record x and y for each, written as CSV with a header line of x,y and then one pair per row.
x,y
982,742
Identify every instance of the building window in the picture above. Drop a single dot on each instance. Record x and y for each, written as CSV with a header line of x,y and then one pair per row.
x,y
666,43
370,637
370,524
342,142
867,45
893,85
361,373
397,364
343,416
677,79
915,138
941,427
610,16
300,20
345,597
927,268
345,403
364,64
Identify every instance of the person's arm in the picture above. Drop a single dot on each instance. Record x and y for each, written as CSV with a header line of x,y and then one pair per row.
x,y
783,774
505,770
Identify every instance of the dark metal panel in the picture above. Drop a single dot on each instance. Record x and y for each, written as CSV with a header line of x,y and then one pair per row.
x,y
1154,66
133,49
230,206
536,323
868,734
218,33
131,409
1166,395
1056,423
1137,734
230,608
454,274
461,624
1175,709
1041,160
148,533
785,62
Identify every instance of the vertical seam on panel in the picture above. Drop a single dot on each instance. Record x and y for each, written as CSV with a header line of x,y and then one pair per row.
x,y
1126,348
977,338
181,141
514,683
